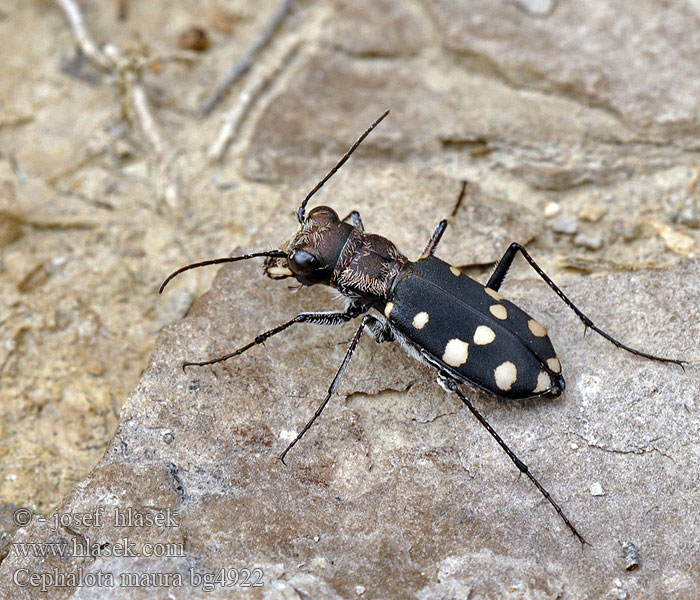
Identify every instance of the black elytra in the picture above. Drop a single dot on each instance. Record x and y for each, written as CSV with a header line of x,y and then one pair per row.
x,y
467,331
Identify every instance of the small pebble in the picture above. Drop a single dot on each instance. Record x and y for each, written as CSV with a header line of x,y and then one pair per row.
x,y
690,217
359,590
565,225
592,212
597,489
224,20
626,230
675,241
95,368
589,240
193,38
122,149
10,227
631,556
551,209
58,261
616,592
536,7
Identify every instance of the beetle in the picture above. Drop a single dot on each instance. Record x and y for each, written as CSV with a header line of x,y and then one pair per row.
x,y
469,332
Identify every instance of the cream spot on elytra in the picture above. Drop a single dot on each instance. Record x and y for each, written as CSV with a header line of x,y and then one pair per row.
x,y
388,308
421,319
536,328
499,311
494,294
554,364
484,335
505,375
456,353
543,383
455,271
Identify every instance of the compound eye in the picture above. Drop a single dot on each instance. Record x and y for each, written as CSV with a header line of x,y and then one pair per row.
x,y
319,210
303,263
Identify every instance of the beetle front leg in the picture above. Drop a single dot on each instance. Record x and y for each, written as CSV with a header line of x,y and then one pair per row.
x,y
331,318
434,239
355,220
369,322
381,331
450,385
501,270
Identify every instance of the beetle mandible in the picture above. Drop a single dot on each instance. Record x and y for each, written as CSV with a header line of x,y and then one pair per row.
x,y
467,331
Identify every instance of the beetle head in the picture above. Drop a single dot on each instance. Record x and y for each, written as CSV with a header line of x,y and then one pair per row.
x,y
314,250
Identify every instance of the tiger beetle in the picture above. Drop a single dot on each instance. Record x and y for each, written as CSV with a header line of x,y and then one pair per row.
x,y
467,331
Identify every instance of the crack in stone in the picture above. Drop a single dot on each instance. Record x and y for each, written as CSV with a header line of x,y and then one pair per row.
x,y
350,396
635,450
435,418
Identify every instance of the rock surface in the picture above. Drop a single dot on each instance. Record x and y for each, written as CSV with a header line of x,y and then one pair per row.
x,y
401,493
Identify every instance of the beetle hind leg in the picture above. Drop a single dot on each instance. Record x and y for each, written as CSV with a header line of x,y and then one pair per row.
x,y
450,385
499,275
442,225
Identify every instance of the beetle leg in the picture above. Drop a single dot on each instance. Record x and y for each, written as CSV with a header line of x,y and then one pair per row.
x,y
442,225
355,220
501,270
381,331
368,321
450,385
503,266
434,239
330,318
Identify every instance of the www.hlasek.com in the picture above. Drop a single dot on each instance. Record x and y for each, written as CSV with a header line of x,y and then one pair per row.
x,y
87,548
208,581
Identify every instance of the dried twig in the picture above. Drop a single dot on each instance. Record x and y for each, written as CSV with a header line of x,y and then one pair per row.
x,y
144,117
167,177
88,47
243,64
13,120
122,9
257,85
112,59
76,166
183,56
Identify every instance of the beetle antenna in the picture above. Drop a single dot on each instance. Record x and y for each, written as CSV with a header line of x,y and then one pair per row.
x,y
341,162
217,261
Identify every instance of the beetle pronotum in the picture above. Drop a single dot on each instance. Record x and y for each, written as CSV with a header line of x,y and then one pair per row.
x,y
467,331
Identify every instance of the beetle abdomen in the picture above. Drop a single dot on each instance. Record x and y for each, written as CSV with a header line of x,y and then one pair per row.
x,y
473,331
